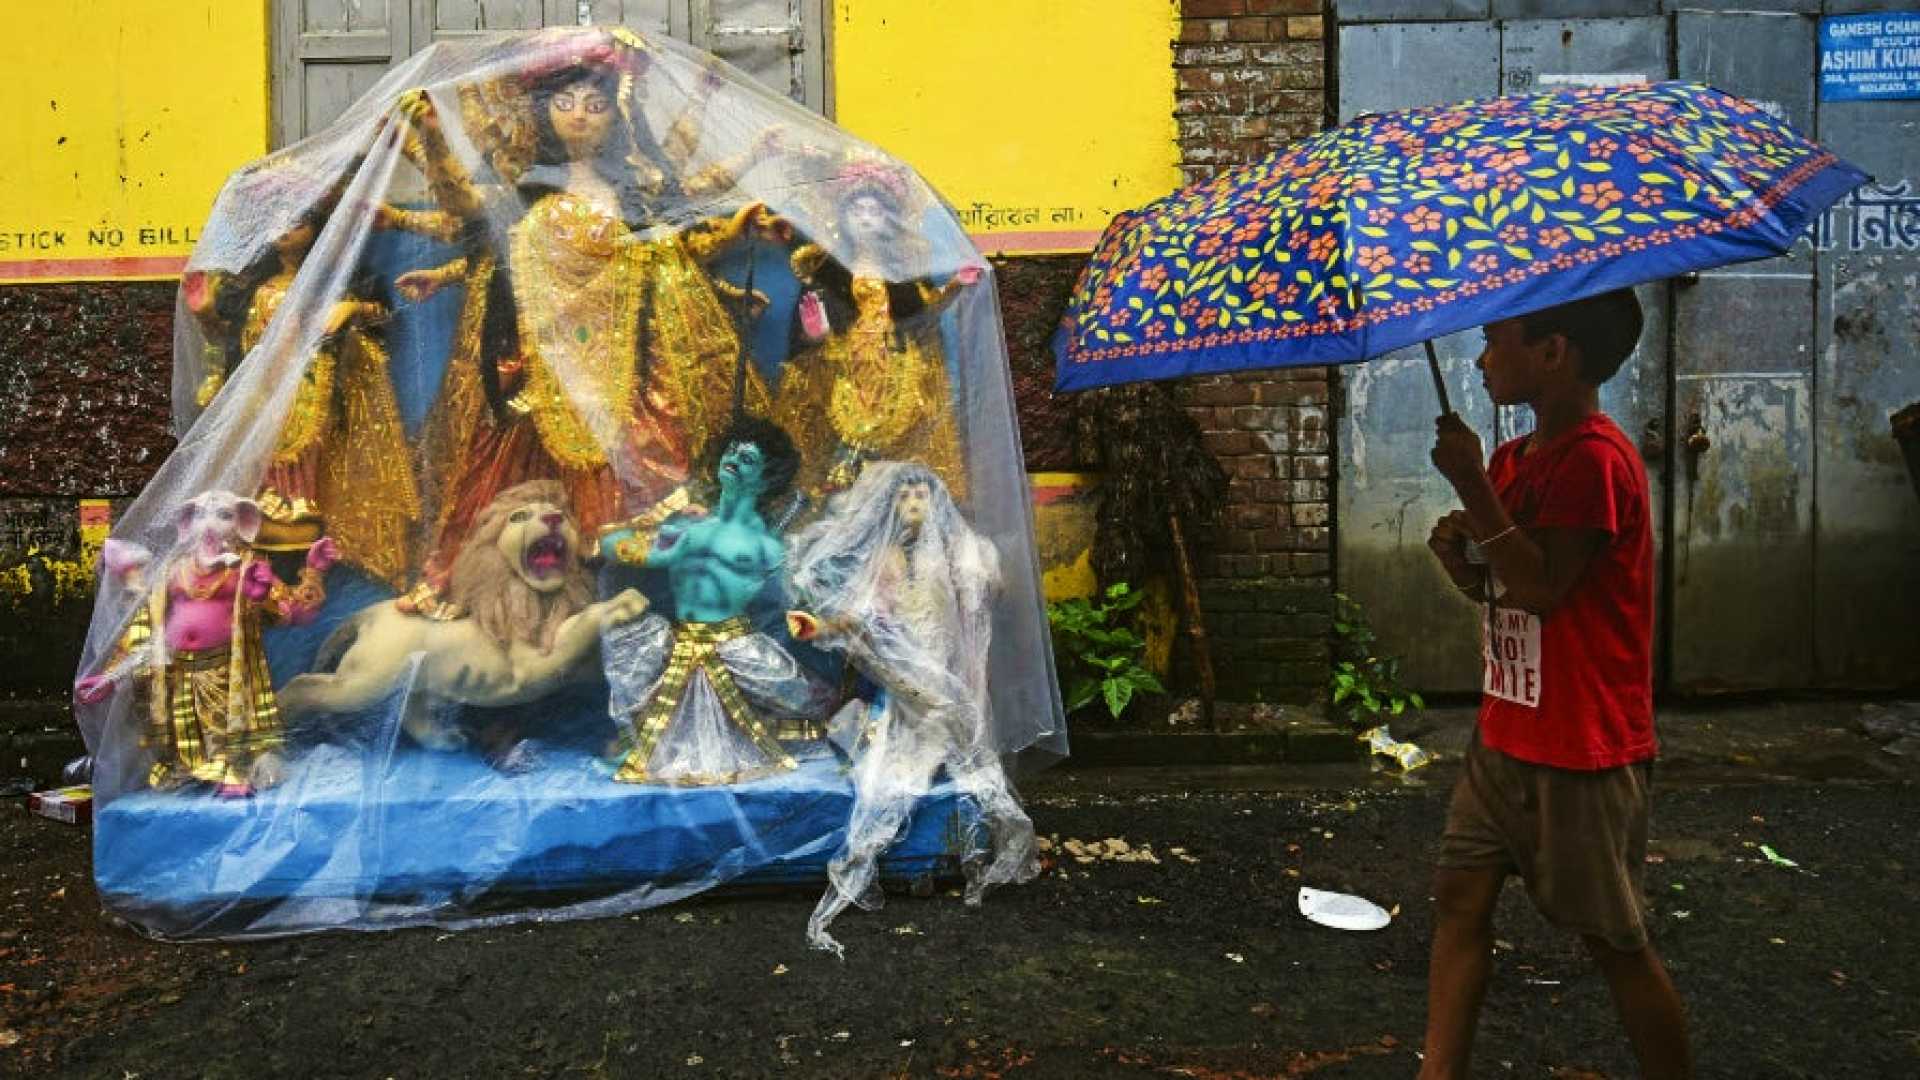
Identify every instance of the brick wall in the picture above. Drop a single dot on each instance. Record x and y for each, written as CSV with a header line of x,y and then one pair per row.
x,y
1251,77
85,381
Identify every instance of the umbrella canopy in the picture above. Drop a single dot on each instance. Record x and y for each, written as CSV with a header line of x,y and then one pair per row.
x,y
1401,227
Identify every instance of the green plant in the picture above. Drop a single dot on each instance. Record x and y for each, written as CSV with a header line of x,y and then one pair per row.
x,y
1100,655
1366,686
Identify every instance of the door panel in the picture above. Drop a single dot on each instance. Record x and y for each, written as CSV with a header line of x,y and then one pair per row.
x,y
1539,54
1867,536
1388,494
1742,591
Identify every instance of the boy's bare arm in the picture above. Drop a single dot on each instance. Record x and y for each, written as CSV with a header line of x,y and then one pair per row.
x,y
1538,568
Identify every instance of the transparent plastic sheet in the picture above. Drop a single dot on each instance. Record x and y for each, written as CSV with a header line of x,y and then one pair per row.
x,y
896,579
465,595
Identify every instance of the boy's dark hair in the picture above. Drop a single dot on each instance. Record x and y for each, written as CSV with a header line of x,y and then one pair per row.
x,y
1604,329
780,458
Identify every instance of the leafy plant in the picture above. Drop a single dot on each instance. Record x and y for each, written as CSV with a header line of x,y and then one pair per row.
x,y
1366,686
1100,654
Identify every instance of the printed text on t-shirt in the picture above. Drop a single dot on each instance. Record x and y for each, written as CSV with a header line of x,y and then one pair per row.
x,y
1511,646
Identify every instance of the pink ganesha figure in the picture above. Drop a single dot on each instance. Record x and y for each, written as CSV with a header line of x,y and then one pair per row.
x,y
211,716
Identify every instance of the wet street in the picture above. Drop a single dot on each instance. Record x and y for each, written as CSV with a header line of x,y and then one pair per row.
x,y
1163,941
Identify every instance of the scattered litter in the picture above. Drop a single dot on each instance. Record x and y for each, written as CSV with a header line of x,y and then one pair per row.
x,y
1776,941
695,1059
779,969
1112,849
906,1042
1543,982
684,917
1149,900
1265,1008
841,1036
72,805
1405,757
1236,958
1502,945
1341,911
8,1038
1778,859
908,929
1677,887
1683,914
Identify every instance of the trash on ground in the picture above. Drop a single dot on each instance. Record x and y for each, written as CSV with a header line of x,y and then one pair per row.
x,y
72,805
1405,756
1341,911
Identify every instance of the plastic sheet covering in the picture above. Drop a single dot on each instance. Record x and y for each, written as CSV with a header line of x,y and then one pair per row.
x,y
896,579
552,429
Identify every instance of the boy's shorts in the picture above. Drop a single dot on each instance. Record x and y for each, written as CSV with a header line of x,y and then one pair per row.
x,y
1577,839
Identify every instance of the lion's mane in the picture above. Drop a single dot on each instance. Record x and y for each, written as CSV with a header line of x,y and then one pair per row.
x,y
490,587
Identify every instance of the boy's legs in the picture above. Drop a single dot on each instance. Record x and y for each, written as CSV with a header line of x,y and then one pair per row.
x,y
1462,958
1649,1007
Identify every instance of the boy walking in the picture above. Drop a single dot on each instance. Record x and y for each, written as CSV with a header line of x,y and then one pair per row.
x,y
1555,787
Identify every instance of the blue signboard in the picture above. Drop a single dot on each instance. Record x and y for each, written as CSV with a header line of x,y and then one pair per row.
x,y
1870,57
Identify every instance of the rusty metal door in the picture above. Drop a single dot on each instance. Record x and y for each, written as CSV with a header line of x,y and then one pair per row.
x,y
1388,495
1866,541
1741,600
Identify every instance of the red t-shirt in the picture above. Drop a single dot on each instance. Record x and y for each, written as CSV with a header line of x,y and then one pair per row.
x,y
1575,689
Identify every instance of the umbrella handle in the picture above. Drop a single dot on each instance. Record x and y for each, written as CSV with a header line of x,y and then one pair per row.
x,y
1439,384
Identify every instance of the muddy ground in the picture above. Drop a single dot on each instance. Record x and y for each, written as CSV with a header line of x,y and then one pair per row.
x,y
1173,968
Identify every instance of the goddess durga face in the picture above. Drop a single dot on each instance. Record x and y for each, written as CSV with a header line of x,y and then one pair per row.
x,y
581,113
868,220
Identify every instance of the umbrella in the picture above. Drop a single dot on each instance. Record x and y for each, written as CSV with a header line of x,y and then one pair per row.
x,y
1405,226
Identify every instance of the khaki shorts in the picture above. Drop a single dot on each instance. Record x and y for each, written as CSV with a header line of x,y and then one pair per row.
x,y
1577,839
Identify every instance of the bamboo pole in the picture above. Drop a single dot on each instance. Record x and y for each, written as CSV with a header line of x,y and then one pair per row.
x,y
1196,626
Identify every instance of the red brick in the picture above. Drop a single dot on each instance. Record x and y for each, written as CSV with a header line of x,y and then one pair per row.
x,y
1200,79
1208,104
1223,444
1250,516
1305,28
1274,7
1313,539
1307,564
1312,442
1252,467
1274,539
1214,55
1293,393
1260,30
1275,440
1307,491
1288,54
1312,467
1211,9
1256,418
1202,31
1220,392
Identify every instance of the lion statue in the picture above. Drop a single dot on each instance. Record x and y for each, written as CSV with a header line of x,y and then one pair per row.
x,y
520,622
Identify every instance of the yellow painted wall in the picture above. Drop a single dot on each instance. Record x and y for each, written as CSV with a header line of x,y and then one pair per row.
x,y
1037,119
119,121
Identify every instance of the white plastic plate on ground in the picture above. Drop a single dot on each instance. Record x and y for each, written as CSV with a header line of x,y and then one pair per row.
x,y
1341,911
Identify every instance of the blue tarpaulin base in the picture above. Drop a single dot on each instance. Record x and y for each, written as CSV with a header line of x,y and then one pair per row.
x,y
429,836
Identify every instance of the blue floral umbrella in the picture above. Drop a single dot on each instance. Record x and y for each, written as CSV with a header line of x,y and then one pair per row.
x,y
1405,226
